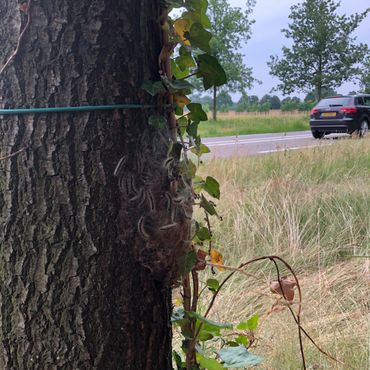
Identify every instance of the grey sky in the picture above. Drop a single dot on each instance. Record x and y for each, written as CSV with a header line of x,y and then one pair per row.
x,y
270,17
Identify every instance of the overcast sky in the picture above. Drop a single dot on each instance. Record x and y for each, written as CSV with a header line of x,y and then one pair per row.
x,y
270,17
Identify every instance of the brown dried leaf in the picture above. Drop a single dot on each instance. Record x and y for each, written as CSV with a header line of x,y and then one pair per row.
x,y
286,285
23,8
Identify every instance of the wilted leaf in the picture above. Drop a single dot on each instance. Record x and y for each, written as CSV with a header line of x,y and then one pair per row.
x,y
238,357
181,100
182,26
286,285
217,259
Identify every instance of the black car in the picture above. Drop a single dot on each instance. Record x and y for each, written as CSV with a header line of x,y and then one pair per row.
x,y
348,114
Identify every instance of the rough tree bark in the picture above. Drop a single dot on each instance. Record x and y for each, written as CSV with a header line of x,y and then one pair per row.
x,y
84,265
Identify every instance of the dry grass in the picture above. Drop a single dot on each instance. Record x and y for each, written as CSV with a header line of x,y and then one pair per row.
x,y
310,208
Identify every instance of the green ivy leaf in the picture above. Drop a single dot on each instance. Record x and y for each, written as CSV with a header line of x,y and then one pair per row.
x,y
213,284
175,151
177,72
157,121
212,187
205,335
192,129
199,37
187,169
250,324
209,363
238,357
207,206
197,113
188,262
211,71
199,150
178,361
211,324
177,86
153,88
242,340
185,59
203,234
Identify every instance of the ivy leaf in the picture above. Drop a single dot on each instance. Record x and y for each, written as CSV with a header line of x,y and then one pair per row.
x,y
199,37
238,357
157,121
182,28
250,324
212,187
208,363
207,206
178,360
188,169
213,284
177,72
185,59
242,340
211,71
153,88
174,151
203,234
199,150
217,259
205,335
197,113
177,86
189,262
181,100
211,325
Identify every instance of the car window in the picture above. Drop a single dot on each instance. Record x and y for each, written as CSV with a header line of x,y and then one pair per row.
x,y
360,100
367,100
336,102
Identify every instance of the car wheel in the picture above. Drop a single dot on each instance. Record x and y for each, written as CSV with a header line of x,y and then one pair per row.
x,y
364,128
318,134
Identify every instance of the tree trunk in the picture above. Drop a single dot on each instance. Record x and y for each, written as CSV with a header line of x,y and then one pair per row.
x,y
85,271
214,103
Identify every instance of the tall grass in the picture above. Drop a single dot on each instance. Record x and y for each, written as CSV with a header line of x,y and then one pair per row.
x,y
313,209
254,124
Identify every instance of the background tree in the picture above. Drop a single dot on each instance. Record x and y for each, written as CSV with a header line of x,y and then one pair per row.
x,y
324,53
231,27
81,287
365,76
224,101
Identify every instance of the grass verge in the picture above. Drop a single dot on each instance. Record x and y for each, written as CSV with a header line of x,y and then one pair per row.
x,y
311,208
254,124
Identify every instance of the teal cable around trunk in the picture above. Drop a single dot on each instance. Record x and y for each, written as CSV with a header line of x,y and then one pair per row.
x,y
83,108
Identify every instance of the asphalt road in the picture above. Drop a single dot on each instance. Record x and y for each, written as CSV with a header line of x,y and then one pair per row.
x,y
247,145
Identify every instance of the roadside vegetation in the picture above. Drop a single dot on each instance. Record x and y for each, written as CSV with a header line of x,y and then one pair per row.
x,y
311,208
254,123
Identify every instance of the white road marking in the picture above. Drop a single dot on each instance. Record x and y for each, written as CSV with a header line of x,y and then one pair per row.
x,y
254,141
287,149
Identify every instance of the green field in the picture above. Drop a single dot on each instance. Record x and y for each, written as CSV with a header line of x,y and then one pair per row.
x,y
229,125
311,208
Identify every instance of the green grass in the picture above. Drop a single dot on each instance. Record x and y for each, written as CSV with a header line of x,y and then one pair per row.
x,y
311,208
254,124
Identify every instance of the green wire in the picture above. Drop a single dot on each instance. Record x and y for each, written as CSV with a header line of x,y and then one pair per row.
x,y
87,108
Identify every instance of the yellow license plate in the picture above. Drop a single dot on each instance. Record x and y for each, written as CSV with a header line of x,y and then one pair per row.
x,y
329,114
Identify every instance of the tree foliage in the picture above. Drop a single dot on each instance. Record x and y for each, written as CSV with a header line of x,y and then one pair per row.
x,y
323,54
365,75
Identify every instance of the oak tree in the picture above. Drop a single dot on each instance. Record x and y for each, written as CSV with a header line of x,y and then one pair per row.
x,y
84,264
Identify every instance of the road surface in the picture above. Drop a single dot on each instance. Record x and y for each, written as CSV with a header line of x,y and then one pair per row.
x,y
244,145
